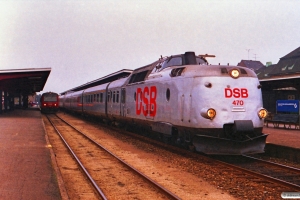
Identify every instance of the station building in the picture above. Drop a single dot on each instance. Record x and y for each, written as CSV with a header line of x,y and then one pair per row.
x,y
280,81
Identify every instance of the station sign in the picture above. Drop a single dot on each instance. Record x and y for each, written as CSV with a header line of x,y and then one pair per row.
x,y
287,106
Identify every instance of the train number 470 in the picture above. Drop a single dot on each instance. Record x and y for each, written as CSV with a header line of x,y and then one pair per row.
x,y
238,102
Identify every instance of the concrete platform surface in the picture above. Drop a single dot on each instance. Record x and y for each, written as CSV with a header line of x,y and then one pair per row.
x,y
282,136
26,170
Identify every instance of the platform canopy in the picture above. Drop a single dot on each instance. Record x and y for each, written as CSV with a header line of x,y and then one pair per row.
x,y
23,81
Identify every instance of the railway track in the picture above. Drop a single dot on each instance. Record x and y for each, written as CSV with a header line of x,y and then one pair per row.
x,y
85,150
273,172
264,170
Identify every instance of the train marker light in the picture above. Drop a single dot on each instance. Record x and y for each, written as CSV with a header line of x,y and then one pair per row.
x,y
262,113
234,73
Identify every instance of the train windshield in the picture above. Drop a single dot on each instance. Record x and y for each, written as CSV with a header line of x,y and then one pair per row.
x,y
177,61
50,97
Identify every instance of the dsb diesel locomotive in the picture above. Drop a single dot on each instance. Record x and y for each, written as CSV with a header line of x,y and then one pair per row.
x,y
213,109
49,102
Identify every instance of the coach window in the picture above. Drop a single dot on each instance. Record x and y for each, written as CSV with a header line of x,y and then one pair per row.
x,y
135,96
114,96
101,97
117,97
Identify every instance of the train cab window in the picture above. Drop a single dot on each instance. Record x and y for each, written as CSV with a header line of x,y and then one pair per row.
x,y
200,61
172,61
138,77
243,71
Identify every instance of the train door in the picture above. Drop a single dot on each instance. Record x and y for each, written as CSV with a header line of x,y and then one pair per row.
x,y
123,102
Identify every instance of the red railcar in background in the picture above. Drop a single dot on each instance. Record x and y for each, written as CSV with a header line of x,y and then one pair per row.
x,y
49,102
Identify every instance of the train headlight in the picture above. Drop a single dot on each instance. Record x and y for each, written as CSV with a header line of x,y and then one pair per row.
x,y
234,73
262,113
208,113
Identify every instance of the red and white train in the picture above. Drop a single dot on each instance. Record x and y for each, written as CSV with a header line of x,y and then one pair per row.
x,y
214,109
49,102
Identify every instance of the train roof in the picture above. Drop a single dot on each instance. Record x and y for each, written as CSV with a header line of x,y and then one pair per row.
x,y
109,78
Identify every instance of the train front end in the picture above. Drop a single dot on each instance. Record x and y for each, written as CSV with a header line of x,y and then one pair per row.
x,y
230,111
49,102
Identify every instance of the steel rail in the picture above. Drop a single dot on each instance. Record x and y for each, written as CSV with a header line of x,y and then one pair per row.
x,y
160,187
297,170
99,191
260,175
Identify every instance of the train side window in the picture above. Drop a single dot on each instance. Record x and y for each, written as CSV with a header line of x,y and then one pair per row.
x,y
123,93
101,97
95,98
168,94
117,97
114,97
135,96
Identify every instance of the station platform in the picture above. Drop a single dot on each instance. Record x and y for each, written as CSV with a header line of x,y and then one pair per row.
x,y
282,136
27,170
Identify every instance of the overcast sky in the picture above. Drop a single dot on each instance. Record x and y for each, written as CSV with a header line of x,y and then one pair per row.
x,y
85,40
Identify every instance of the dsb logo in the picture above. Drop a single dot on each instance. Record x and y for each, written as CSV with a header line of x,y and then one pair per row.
x,y
146,101
236,93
